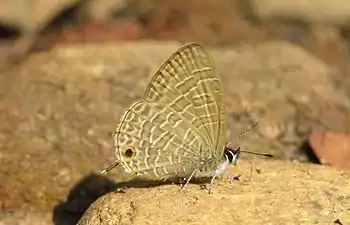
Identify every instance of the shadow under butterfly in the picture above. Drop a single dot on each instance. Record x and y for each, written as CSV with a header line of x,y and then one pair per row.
x,y
178,129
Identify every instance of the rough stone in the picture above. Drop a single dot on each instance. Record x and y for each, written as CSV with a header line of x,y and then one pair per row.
x,y
283,193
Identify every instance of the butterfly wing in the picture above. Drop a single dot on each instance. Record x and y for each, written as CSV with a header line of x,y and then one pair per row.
x,y
155,142
188,83
180,121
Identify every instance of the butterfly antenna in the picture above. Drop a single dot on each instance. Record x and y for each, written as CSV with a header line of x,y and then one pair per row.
x,y
244,133
260,154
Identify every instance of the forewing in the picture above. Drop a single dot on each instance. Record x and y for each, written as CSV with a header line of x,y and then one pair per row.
x,y
188,83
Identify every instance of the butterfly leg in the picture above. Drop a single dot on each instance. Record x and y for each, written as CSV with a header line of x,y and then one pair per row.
x,y
211,182
229,177
189,179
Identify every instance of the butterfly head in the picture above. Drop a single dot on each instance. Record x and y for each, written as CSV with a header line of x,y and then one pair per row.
x,y
232,155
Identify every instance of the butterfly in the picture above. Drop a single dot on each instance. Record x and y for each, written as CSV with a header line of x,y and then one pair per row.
x,y
178,129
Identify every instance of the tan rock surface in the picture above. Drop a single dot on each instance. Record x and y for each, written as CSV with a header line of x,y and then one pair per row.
x,y
321,11
30,18
283,193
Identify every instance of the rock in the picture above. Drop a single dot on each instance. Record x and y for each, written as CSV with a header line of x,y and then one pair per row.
x,y
29,18
117,30
282,193
331,148
101,10
284,86
24,217
321,11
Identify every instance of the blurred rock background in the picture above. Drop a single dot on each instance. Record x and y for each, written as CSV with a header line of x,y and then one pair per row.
x,y
68,69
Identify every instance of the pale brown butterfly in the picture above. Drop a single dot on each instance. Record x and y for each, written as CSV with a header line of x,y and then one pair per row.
x,y
178,129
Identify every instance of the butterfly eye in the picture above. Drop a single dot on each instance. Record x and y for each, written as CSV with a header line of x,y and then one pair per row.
x,y
128,152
